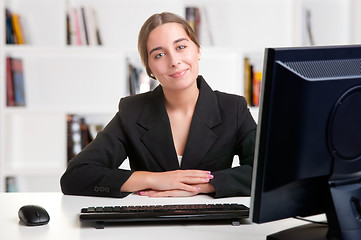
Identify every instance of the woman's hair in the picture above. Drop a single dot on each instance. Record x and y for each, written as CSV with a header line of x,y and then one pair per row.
x,y
150,24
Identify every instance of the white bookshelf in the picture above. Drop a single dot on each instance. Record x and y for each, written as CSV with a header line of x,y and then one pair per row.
x,y
89,81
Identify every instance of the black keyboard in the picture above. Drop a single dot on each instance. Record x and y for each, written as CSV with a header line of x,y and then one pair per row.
x,y
184,212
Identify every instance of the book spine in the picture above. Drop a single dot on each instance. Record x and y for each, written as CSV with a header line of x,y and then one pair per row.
x,y
68,30
247,80
17,28
18,81
194,19
257,79
70,143
97,29
91,26
11,184
86,138
78,39
9,28
78,135
197,22
84,24
9,84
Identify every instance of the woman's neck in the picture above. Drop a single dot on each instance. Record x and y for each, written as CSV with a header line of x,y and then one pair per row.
x,y
183,100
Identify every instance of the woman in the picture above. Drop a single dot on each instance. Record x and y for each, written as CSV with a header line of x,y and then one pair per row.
x,y
180,138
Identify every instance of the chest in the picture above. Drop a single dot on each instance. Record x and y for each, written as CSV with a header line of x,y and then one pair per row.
x,y
180,125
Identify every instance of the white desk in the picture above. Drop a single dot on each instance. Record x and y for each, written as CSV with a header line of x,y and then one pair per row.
x,y
64,222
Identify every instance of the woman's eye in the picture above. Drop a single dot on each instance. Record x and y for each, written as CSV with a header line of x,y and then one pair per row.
x,y
159,55
181,47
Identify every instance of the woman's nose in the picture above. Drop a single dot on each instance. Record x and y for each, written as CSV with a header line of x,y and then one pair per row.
x,y
174,60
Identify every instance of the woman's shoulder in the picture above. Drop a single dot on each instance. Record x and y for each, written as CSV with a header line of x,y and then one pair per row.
x,y
134,104
230,98
224,99
134,99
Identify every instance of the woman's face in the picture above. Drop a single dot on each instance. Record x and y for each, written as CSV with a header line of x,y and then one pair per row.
x,y
172,56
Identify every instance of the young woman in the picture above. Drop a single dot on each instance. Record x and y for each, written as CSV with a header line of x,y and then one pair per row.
x,y
180,138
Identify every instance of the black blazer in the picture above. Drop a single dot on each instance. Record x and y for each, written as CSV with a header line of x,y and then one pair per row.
x,y
221,127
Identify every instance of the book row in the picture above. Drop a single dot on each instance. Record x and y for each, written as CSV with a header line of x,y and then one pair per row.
x,y
252,82
138,80
14,30
82,27
79,134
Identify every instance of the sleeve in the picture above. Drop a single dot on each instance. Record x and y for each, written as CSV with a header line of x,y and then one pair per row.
x,y
237,181
94,171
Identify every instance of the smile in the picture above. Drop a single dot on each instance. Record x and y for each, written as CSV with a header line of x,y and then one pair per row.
x,y
179,73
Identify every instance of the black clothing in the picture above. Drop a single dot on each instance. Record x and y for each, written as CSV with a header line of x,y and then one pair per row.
x,y
221,127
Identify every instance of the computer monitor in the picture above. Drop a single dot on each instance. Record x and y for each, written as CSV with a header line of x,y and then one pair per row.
x,y
308,145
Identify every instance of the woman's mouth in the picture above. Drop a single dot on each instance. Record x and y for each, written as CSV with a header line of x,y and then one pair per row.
x,y
178,74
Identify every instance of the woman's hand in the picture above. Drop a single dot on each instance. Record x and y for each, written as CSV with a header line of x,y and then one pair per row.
x,y
186,180
177,182
203,188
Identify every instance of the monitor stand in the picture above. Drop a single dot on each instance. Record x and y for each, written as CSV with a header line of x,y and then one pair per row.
x,y
312,231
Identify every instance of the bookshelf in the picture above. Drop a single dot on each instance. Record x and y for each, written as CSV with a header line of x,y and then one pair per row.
x,y
62,79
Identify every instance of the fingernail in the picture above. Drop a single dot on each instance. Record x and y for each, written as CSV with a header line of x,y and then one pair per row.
x,y
198,188
141,193
210,176
208,172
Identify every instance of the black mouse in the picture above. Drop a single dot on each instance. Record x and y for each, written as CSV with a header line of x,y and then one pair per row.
x,y
33,215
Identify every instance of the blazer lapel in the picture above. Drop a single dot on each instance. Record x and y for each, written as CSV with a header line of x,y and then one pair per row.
x,y
158,139
201,136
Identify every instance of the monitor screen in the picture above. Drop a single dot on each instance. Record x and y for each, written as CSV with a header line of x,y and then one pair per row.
x,y
308,145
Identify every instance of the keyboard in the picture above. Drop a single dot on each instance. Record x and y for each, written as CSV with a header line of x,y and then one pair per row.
x,y
164,213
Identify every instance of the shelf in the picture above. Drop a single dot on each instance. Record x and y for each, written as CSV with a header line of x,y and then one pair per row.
x,y
65,50
27,171
26,110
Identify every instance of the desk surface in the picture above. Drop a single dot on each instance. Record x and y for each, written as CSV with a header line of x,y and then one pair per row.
x,y
64,222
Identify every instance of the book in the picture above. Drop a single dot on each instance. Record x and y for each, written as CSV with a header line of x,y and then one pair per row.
x,y
247,80
68,30
138,80
97,29
18,81
194,19
9,27
133,80
17,28
257,79
78,135
74,136
11,184
10,101
70,142
91,26
71,31
82,26
252,79
86,137
78,34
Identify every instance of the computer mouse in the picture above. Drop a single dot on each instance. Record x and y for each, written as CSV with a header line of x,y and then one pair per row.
x,y
33,215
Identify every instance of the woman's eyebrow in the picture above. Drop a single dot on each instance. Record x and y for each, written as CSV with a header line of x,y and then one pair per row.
x,y
155,49
175,42
180,40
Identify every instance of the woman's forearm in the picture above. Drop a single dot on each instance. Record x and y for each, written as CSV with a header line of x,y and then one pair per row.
x,y
186,180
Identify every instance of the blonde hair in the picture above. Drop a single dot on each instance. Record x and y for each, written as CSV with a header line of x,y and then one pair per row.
x,y
150,24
